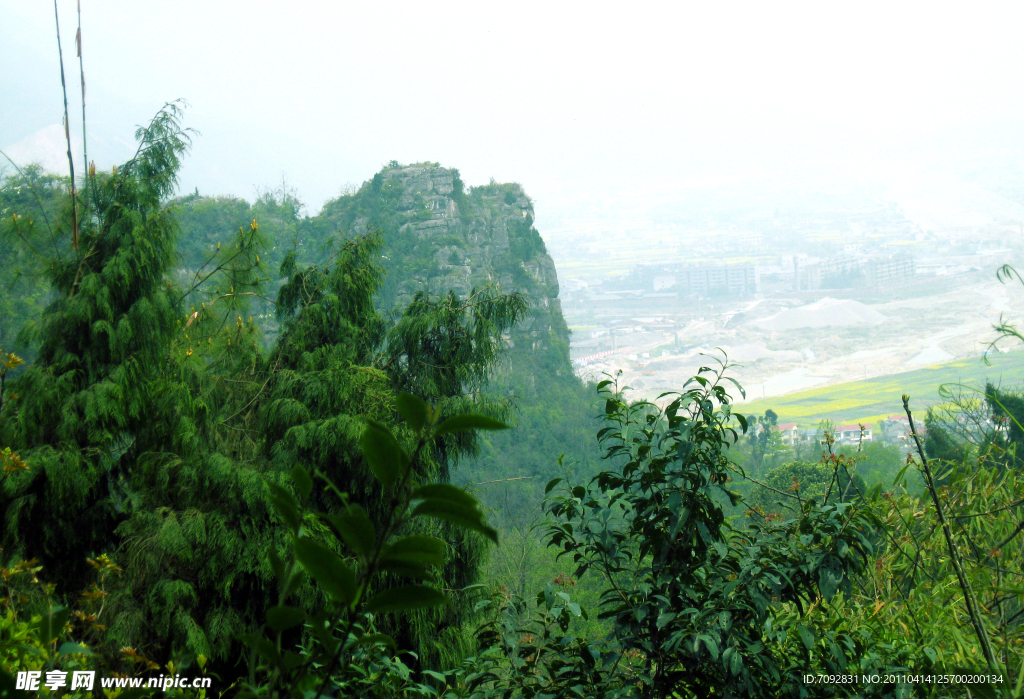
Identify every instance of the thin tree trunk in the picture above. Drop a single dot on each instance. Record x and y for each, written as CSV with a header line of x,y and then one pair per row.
x,y
67,135
81,73
972,609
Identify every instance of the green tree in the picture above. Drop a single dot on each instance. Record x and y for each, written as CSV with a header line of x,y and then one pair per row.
x,y
698,607
153,420
199,571
764,438
785,488
30,207
86,407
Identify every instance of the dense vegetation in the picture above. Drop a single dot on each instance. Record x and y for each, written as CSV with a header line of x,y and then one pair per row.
x,y
232,436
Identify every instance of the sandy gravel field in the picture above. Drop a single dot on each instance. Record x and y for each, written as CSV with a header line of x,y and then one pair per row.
x,y
784,345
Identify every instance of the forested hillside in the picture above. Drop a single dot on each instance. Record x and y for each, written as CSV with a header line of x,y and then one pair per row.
x,y
438,236
346,455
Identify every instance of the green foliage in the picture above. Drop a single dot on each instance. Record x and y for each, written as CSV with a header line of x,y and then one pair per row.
x,y
39,636
785,486
86,409
524,241
1006,434
382,568
284,482
697,607
153,420
939,443
913,588
765,440
205,224
689,594
30,205
876,462
550,410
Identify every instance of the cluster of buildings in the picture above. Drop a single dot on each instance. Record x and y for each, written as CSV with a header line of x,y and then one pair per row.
x,y
892,430
849,270
705,281
670,283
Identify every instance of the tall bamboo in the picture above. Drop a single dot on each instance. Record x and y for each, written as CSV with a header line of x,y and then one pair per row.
x,y
81,73
67,135
954,554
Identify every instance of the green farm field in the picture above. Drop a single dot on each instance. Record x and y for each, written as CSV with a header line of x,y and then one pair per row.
x,y
870,400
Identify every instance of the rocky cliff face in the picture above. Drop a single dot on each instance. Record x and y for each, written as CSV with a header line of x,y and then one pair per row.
x,y
440,237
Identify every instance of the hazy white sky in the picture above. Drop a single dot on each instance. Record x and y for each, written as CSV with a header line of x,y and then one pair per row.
x,y
576,101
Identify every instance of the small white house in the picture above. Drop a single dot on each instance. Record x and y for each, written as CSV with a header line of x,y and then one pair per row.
x,y
852,433
789,433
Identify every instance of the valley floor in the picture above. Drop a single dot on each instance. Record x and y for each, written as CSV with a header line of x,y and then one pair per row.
x,y
853,341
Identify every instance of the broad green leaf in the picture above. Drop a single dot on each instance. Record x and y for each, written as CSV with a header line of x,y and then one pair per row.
x,y
464,423
282,618
413,409
383,454
303,483
405,598
736,383
285,505
355,528
458,514
426,550
412,556
712,644
830,576
276,564
320,625
551,484
324,566
837,653
69,648
806,635
985,690
51,625
295,581
444,491
705,535
735,662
